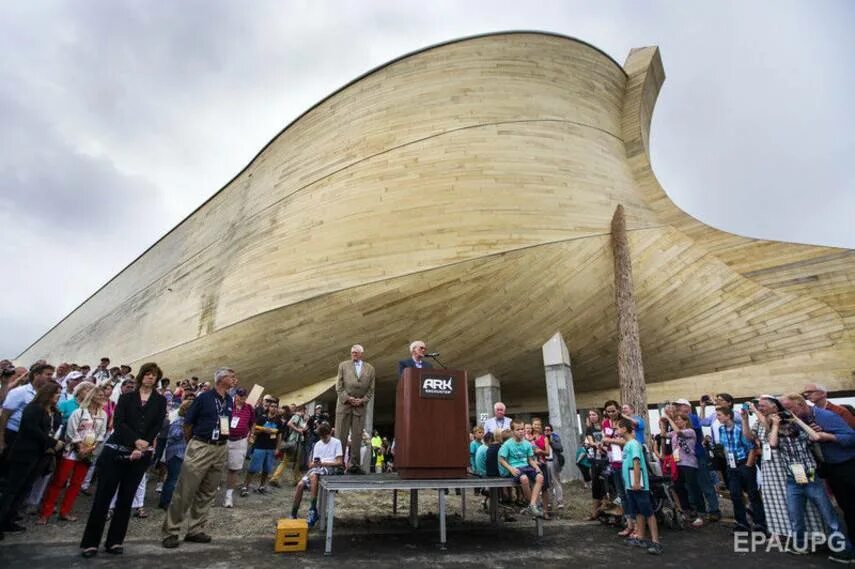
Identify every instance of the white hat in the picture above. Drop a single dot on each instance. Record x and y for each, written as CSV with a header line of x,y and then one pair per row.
x,y
682,402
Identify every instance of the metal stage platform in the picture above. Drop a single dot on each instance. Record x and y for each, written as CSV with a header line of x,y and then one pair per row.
x,y
330,486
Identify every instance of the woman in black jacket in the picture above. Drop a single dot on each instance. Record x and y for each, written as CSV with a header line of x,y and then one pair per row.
x,y
33,441
124,460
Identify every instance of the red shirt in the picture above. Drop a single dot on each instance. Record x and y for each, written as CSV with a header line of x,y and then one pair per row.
x,y
245,418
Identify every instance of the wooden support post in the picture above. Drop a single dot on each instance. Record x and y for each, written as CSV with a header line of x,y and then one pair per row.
x,y
633,389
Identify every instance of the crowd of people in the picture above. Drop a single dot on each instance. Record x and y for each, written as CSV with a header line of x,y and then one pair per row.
x,y
103,432
784,461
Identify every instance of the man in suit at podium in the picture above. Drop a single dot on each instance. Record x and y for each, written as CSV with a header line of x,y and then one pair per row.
x,y
418,350
355,388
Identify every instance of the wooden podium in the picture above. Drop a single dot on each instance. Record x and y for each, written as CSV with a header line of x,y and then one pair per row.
x,y
432,424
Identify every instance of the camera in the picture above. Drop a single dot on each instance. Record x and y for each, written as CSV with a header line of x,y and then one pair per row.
x,y
785,415
7,371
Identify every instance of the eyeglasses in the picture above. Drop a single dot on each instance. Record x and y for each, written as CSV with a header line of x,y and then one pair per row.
x,y
807,393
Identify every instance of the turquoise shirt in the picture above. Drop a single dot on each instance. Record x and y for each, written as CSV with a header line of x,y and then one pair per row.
x,y
67,407
473,448
481,461
515,453
632,450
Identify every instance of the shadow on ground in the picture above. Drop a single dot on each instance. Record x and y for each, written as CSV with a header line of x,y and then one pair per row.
x,y
564,544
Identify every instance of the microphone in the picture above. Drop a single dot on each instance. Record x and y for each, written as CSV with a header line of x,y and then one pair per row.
x,y
432,355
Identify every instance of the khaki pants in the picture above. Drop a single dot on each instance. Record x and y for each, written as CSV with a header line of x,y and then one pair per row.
x,y
283,465
197,486
346,421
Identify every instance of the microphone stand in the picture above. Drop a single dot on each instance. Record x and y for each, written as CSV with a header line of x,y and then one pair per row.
x,y
439,361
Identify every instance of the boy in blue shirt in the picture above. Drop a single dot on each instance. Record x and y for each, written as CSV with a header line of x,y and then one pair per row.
x,y
638,499
516,458
477,436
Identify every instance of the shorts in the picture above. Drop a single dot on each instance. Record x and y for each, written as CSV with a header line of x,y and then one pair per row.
x,y
320,471
237,453
262,461
528,472
638,502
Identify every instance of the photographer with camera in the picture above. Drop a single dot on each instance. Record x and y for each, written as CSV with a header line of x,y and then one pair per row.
x,y
803,485
10,378
837,445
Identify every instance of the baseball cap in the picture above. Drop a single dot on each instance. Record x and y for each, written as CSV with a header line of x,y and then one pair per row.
x,y
73,375
682,402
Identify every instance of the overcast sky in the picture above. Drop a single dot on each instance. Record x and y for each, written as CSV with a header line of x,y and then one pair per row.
x,y
118,118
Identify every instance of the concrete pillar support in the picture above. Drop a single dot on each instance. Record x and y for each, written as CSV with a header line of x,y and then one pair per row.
x,y
488,390
561,397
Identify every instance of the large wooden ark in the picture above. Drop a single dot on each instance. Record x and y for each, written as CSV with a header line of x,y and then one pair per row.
x,y
463,195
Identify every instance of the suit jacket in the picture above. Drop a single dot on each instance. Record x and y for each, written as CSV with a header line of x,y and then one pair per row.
x,y
349,385
33,436
132,420
410,362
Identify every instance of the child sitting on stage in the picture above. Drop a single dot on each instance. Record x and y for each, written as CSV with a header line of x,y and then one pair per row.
x,y
327,459
516,458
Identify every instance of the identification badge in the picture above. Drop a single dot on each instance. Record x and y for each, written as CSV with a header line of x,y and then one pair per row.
x,y
731,460
799,473
676,455
215,435
224,425
234,423
767,451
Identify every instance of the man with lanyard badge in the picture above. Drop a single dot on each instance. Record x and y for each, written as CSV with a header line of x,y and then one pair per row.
x,y
207,426
741,477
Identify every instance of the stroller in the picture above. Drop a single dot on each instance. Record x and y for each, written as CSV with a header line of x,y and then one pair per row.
x,y
665,508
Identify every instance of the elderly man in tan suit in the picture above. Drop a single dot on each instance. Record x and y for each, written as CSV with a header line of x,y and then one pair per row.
x,y
355,388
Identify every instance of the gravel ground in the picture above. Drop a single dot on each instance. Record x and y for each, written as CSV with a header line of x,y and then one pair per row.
x,y
255,516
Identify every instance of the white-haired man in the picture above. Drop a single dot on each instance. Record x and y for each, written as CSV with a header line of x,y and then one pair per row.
x,y
418,351
355,388
818,395
207,426
499,422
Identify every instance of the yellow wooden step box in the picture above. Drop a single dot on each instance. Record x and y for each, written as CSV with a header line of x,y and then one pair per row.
x,y
291,535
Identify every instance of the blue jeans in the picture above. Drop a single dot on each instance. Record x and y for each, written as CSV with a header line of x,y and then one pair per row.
x,y
173,469
744,478
797,497
705,482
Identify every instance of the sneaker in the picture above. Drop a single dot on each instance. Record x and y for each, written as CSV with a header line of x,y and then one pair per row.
x,y
228,502
845,557
535,511
200,537
699,522
261,490
312,517
527,511
275,484
560,505
636,542
170,542
244,491
654,548
714,517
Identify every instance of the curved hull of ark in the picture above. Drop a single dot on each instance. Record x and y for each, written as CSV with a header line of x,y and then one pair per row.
x,y
463,195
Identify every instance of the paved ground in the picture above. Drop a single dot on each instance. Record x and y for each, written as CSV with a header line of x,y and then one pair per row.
x,y
367,536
